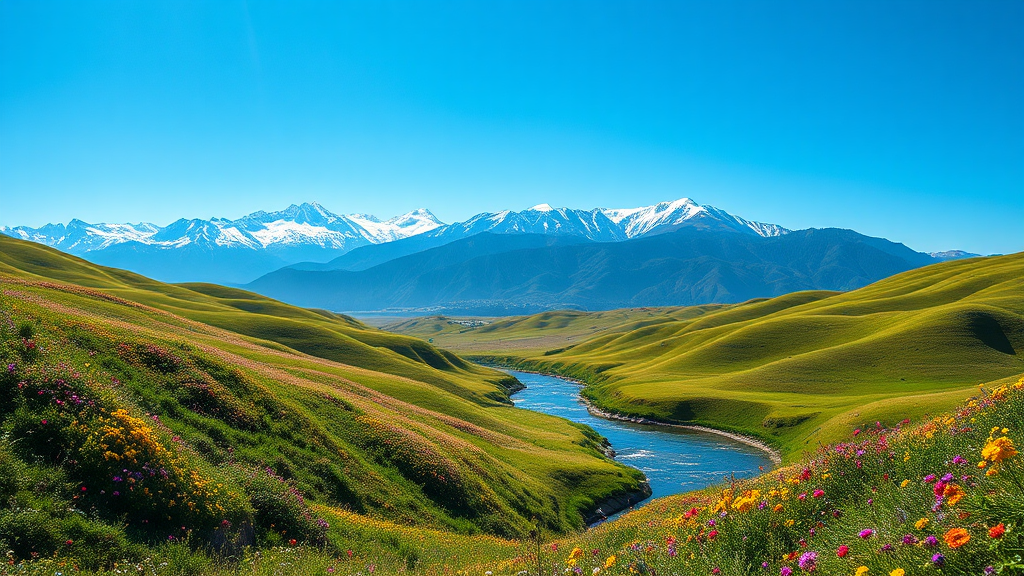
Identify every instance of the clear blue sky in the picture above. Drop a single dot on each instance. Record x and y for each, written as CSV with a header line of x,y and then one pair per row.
x,y
897,119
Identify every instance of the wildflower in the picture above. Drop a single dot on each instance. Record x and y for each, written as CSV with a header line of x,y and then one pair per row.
x,y
930,542
861,571
70,542
956,537
920,524
989,570
712,535
996,532
808,561
886,547
999,449
786,571
898,572
716,570
818,493
608,563
904,484
866,533
843,551
938,560
953,494
909,540
292,542
959,460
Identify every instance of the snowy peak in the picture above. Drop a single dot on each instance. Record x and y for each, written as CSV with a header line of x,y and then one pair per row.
x,y
607,225
299,226
410,224
668,216
308,231
540,219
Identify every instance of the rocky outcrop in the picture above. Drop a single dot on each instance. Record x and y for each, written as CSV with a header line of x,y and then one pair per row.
x,y
617,504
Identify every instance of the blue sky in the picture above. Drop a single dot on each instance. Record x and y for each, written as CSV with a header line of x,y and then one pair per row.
x,y
897,119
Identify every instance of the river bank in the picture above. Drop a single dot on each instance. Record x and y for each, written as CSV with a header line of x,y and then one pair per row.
x,y
673,459
773,454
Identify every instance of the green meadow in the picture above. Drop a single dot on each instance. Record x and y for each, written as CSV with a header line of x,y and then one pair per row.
x,y
797,370
293,412
197,429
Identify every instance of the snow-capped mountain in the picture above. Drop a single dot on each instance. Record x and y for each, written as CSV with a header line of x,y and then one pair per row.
x,y
237,251
540,219
668,216
606,225
304,225
223,250
953,255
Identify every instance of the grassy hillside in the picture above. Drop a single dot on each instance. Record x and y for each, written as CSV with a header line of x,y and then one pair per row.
x,y
124,422
797,370
939,497
315,332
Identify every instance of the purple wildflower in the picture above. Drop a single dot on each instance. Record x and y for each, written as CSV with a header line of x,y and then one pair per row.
x,y
938,560
808,561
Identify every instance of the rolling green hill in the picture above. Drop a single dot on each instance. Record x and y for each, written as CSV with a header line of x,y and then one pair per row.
x,y
796,370
235,408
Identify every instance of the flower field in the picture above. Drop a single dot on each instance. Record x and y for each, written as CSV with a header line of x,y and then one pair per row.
x,y
136,441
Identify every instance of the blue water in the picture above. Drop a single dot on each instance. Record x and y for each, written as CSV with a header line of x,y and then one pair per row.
x,y
673,459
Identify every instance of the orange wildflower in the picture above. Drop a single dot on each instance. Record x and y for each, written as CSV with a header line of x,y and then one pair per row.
x,y
956,537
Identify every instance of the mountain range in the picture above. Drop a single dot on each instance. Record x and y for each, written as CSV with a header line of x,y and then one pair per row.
x,y
677,252
502,274
223,250
228,251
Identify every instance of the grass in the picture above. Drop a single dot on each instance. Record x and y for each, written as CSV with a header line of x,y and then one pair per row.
x,y
939,497
798,370
226,427
136,439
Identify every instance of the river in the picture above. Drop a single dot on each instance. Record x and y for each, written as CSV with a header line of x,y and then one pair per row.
x,y
673,459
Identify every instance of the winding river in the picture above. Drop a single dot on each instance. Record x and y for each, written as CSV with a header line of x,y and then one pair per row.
x,y
674,459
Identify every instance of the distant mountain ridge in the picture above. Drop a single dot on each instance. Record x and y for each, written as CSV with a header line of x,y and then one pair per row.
x,y
223,250
308,235
308,223
501,274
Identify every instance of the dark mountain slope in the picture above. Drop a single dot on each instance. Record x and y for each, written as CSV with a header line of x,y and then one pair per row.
x,y
489,274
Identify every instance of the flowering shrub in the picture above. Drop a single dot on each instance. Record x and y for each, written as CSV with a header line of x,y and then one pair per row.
x,y
281,512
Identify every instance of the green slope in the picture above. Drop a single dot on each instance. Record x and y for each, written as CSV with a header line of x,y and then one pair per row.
x,y
795,370
315,332
386,426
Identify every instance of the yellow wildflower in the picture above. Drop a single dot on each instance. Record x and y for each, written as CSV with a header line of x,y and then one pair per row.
x,y
999,449
920,524
609,562
861,571
904,483
898,572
